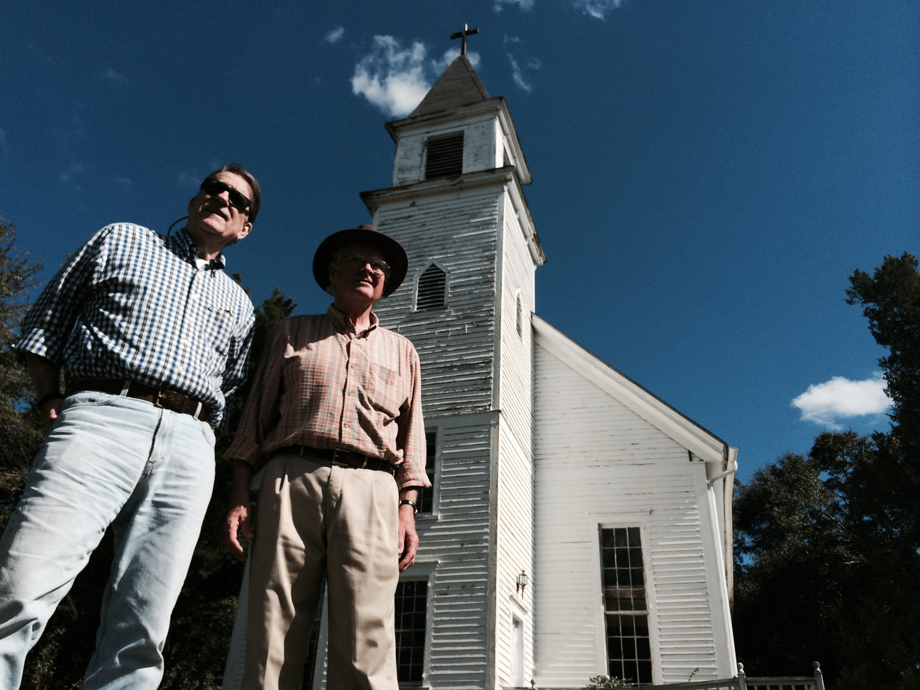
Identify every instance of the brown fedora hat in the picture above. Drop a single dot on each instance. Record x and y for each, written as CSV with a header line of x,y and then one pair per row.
x,y
392,251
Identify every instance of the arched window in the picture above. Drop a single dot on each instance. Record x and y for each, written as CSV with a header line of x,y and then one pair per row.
x,y
432,288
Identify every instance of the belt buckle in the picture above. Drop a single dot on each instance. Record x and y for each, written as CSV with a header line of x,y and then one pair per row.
x,y
157,400
335,458
344,463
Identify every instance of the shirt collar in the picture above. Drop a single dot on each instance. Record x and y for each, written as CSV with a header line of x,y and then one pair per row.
x,y
345,325
181,243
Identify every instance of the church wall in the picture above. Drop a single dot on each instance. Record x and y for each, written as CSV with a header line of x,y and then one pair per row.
x,y
456,541
514,500
597,462
456,344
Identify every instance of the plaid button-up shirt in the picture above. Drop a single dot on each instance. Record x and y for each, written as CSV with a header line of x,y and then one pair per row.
x,y
132,304
321,384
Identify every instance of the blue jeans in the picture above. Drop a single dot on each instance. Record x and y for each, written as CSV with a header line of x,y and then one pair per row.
x,y
117,461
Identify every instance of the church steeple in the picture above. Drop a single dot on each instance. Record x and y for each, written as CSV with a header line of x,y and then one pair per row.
x,y
458,86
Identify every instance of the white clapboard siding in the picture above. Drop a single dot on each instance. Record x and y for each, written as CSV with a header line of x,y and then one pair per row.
x,y
598,462
456,344
514,470
457,539
479,146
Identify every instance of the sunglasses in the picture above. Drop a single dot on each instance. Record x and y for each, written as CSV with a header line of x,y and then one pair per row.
x,y
214,187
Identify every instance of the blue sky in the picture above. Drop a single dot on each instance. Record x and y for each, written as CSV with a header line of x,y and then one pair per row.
x,y
706,174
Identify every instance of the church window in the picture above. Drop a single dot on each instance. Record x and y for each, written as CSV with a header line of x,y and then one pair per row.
x,y
432,288
411,619
445,156
519,314
426,496
629,653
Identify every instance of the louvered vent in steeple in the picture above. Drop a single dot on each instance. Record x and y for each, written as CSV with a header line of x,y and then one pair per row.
x,y
445,156
432,288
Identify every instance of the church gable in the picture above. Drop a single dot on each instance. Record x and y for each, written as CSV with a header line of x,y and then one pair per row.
x,y
684,432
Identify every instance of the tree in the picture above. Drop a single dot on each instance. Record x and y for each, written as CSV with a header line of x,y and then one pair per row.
x,y
20,425
891,301
828,546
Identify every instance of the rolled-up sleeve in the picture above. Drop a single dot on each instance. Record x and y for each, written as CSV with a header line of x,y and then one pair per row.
x,y
411,437
49,321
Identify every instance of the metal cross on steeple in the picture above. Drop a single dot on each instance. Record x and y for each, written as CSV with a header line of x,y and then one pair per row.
x,y
463,34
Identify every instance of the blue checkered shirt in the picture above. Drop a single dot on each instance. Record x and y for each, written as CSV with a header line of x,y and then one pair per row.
x,y
132,304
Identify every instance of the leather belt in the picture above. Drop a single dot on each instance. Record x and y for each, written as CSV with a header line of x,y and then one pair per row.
x,y
342,457
160,397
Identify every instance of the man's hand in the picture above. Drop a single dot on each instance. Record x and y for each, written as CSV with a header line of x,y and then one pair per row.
x,y
239,522
50,412
46,380
239,519
408,538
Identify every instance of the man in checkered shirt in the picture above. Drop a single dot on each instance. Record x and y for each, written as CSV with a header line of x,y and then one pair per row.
x,y
335,416
153,337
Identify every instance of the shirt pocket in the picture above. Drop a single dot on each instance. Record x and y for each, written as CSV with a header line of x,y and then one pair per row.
x,y
218,325
386,390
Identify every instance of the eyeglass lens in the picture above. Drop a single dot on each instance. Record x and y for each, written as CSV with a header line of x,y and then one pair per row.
x,y
216,188
379,267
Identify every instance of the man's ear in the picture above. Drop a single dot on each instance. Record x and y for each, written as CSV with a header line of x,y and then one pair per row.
x,y
191,203
247,226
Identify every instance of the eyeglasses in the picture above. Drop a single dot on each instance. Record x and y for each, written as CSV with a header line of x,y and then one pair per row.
x,y
379,267
214,187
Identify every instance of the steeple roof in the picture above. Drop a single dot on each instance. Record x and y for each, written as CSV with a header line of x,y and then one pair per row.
x,y
458,86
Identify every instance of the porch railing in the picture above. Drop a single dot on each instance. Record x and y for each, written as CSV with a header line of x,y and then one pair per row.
x,y
739,682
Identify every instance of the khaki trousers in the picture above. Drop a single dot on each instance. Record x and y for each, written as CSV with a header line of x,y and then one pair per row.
x,y
314,519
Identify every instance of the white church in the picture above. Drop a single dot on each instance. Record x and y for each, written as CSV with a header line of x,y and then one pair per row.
x,y
577,525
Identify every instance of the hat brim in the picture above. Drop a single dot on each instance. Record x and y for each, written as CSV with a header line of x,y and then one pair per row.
x,y
392,252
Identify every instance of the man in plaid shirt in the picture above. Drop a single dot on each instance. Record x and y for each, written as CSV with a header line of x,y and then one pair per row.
x,y
153,337
334,417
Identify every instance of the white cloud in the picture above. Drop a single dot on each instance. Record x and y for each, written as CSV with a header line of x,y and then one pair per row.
x,y
123,182
396,79
524,5
517,68
826,403
335,35
69,176
518,75
189,180
111,76
596,8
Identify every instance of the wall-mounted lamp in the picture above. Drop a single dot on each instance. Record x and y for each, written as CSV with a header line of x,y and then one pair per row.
x,y
521,583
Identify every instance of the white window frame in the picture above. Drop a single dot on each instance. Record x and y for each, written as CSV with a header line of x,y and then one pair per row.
x,y
424,571
597,522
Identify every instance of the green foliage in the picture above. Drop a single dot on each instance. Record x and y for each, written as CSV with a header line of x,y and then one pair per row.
x,y
20,425
598,682
827,546
891,301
